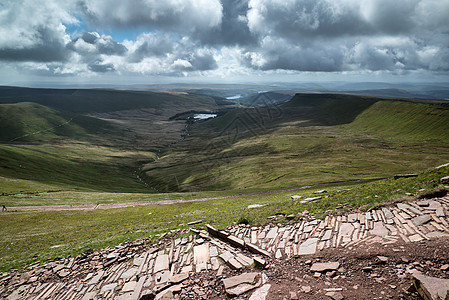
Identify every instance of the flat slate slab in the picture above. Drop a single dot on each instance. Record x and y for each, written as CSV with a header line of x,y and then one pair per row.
x,y
429,204
352,218
261,293
243,278
161,263
308,247
431,287
201,254
226,256
388,214
322,267
415,238
346,229
272,233
240,284
97,278
436,234
129,273
421,220
327,235
379,229
129,286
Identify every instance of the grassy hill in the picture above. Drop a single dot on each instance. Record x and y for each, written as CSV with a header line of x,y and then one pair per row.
x,y
27,121
405,121
42,148
314,138
53,139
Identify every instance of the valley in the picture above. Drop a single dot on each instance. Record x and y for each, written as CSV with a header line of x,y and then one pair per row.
x,y
104,149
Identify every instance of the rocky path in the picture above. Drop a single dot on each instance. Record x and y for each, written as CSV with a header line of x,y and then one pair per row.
x,y
240,261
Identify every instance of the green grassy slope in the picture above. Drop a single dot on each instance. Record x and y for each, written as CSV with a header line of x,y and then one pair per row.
x,y
404,120
45,149
70,165
34,122
314,138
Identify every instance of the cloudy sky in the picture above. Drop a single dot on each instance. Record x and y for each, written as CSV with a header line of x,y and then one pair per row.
x,y
156,41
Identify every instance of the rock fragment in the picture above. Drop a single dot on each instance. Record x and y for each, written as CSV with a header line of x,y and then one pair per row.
x,y
421,220
240,284
431,288
323,267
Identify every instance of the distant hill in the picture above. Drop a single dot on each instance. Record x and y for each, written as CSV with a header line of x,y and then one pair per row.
x,y
265,99
88,139
144,117
104,100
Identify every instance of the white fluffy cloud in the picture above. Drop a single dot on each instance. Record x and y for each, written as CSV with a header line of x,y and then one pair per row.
x,y
224,37
33,31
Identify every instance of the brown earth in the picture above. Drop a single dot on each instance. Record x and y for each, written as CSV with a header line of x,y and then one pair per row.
x,y
380,280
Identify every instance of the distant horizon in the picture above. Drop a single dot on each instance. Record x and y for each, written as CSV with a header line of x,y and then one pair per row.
x,y
64,85
410,90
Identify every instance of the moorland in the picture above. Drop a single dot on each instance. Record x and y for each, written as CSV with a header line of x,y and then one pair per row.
x,y
103,146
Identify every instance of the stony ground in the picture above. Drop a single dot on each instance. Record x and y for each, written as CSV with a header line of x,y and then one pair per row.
x,y
369,255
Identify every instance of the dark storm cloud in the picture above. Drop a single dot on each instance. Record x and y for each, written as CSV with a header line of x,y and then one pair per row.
x,y
233,29
89,37
173,15
276,53
47,46
332,19
203,62
304,19
324,35
100,67
148,45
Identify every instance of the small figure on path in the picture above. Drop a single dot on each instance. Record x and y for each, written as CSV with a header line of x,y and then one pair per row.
x,y
3,207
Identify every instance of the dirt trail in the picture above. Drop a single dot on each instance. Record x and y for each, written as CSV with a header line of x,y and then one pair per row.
x,y
162,202
130,204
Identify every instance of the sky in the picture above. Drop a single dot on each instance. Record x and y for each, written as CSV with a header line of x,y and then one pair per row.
x,y
229,41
